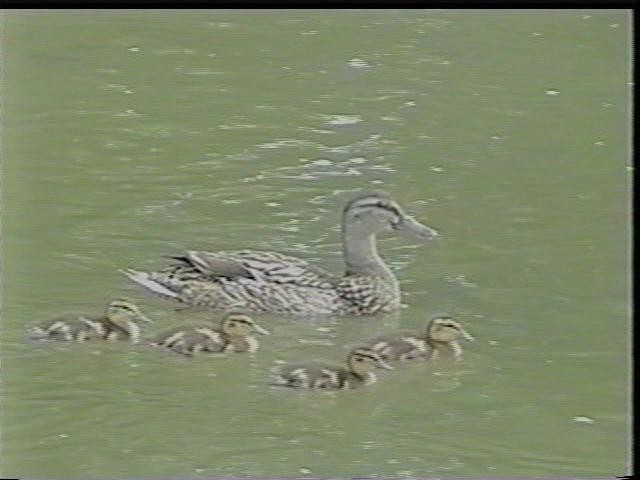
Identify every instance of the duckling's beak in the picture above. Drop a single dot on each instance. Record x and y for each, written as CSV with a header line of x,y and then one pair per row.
x,y
261,330
466,335
412,227
383,364
144,318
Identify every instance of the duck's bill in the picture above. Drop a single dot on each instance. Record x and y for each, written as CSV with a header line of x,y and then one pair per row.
x,y
409,226
383,364
261,330
144,318
467,336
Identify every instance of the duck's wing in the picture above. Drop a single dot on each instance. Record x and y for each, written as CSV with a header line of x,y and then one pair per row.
x,y
214,264
259,265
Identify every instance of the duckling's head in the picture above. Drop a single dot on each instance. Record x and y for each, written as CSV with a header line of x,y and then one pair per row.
x,y
241,325
377,212
121,311
443,328
363,360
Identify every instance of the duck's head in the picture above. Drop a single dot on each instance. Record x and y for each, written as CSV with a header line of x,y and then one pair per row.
x,y
241,325
443,328
121,311
363,360
377,212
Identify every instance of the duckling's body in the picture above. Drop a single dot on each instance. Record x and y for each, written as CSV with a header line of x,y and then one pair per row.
x,y
403,345
70,328
438,339
317,375
190,339
262,281
234,335
120,322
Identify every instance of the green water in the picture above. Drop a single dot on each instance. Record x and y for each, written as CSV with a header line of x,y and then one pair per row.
x,y
132,135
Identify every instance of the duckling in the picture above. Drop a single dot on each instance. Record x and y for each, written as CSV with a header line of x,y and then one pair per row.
x,y
440,337
232,336
118,323
360,363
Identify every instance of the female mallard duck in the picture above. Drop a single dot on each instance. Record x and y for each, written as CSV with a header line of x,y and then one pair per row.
x,y
360,363
234,335
258,281
119,322
439,338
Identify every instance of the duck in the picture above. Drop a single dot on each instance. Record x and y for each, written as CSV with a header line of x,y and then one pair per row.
x,y
438,339
359,368
119,322
254,281
234,335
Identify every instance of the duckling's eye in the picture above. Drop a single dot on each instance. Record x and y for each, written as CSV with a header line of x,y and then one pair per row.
x,y
359,359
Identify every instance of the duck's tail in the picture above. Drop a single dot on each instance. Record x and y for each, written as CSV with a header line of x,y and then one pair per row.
x,y
144,279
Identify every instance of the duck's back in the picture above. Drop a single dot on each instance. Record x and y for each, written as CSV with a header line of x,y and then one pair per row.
x,y
194,341
398,345
266,266
311,375
247,280
190,331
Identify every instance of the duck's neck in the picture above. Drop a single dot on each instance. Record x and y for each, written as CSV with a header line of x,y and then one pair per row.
x,y
240,340
360,372
232,339
130,329
133,329
367,378
361,254
447,349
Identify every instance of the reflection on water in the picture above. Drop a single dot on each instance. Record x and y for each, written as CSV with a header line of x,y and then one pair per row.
x,y
154,133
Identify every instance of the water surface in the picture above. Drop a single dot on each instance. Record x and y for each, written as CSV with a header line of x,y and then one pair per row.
x,y
133,135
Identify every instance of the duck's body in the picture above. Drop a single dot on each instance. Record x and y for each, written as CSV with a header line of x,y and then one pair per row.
x,y
405,345
78,328
191,339
262,281
438,339
234,335
317,375
120,322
